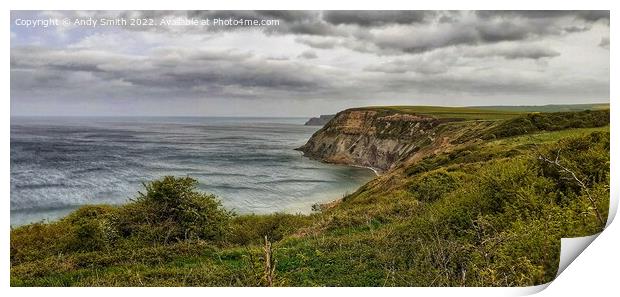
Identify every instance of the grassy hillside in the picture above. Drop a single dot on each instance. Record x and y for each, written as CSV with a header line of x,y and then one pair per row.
x,y
464,113
488,212
549,108
487,112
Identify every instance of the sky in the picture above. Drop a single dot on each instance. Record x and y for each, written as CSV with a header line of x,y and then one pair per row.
x,y
304,63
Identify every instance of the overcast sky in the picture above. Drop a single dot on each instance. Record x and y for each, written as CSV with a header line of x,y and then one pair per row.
x,y
311,63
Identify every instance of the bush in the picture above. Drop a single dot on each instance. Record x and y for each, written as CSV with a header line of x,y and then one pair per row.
x,y
90,228
552,121
433,186
38,240
587,156
172,209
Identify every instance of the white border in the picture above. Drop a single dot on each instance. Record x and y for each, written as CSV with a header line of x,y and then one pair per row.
x,y
593,272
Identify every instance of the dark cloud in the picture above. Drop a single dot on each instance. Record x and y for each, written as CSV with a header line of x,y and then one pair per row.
x,y
308,55
318,42
604,43
418,40
594,15
587,15
391,32
367,18
442,61
417,32
363,54
513,52
576,29
205,72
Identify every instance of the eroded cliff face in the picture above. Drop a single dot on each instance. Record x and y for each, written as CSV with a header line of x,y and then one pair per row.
x,y
372,138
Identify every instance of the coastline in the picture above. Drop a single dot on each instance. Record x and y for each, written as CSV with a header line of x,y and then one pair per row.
x,y
377,171
331,202
334,199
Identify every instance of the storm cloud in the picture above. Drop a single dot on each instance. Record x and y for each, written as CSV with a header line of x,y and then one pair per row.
x,y
310,62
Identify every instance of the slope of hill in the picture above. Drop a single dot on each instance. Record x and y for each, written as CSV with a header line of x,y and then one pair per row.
x,y
468,197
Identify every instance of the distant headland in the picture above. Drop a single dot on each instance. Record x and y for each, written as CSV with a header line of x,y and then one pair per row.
x,y
320,121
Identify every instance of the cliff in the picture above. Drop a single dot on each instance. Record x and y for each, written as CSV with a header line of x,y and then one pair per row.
x,y
386,137
372,137
320,121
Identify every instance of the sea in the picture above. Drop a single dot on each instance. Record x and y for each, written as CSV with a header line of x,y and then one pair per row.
x,y
61,163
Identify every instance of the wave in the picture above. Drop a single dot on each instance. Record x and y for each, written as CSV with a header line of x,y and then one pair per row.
x,y
231,187
41,186
297,180
88,170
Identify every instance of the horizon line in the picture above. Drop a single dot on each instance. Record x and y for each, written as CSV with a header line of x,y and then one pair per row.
x,y
302,116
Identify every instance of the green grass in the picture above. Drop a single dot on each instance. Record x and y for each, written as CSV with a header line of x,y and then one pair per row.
x,y
485,213
545,137
461,113
549,108
485,112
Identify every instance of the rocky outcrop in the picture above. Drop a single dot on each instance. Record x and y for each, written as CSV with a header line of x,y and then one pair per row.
x,y
320,121
372,138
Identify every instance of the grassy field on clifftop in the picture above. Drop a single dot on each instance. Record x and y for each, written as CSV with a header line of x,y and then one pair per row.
x,y
485,112
489,212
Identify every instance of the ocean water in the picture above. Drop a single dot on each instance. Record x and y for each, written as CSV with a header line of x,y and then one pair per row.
x,y
58,164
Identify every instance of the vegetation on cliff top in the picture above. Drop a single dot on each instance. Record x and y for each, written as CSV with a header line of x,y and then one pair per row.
x,y
440,112
482,112
489,212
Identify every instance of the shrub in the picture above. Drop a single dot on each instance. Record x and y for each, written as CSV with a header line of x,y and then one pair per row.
x,y
587,156
92,225
547,122
172,209
433,186
89,227
38,240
